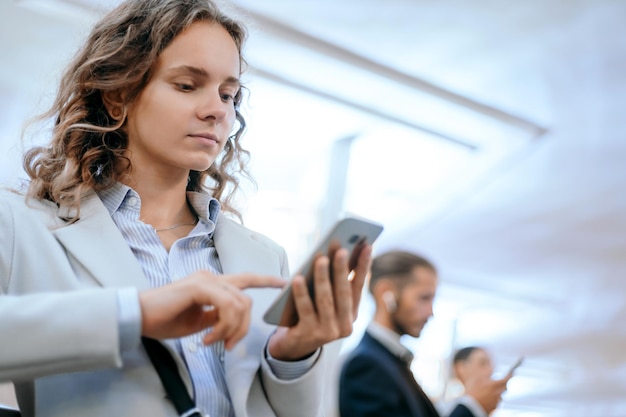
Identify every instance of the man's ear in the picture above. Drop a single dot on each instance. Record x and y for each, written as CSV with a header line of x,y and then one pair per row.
x,y
389,299
384,293
459,371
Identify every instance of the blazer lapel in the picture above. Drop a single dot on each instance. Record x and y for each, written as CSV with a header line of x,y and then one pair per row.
x,y
239,251
100,248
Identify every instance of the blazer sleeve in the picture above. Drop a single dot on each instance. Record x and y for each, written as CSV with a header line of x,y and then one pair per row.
x,y
53,332
296,397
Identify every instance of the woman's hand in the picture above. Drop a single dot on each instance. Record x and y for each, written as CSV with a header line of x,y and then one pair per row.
x,y
332,314
199,301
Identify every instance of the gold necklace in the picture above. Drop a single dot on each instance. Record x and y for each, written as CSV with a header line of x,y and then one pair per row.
x,y
177,225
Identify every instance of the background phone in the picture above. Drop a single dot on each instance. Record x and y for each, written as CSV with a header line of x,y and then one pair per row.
x,y
515,366
350,233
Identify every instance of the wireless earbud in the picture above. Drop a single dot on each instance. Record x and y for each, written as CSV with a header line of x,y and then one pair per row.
x,y
390,301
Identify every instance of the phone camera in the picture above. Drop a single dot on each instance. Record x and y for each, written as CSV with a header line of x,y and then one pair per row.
x,y
354,239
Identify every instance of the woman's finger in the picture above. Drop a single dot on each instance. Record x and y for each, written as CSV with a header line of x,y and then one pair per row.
x,y
324,299
247,280
342,292
230,310
302,300
242,326
360,273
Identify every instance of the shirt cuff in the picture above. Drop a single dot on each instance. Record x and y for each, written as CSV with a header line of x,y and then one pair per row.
x,y
129,318
473,406
289,370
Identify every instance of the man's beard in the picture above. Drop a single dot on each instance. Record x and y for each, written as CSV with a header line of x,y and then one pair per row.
x,y
397,325
399,328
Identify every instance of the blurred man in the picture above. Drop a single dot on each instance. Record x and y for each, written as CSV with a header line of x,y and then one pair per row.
x,y
376,379
472,362
473,368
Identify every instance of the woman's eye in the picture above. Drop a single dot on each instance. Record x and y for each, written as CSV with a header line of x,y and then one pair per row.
x,y
185,87
228,97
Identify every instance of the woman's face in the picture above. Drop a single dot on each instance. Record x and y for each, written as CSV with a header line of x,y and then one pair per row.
x,y
184,115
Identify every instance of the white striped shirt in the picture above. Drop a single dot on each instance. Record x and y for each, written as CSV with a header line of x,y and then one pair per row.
x,y
194,252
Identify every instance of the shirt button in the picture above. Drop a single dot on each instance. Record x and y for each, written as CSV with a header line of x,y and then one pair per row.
x,y
132,201
192,347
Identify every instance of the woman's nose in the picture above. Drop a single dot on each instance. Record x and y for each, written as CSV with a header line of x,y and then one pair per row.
x,y
213,108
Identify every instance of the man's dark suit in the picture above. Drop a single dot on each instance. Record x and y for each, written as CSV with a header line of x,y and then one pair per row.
x,y
376,383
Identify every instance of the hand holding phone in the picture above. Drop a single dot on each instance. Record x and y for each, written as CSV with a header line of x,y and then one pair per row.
x,y
350,233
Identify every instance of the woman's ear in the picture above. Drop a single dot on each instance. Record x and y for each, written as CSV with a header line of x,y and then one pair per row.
x,y
114,104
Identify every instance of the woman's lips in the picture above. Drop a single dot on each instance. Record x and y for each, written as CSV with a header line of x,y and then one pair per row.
x,y
207,138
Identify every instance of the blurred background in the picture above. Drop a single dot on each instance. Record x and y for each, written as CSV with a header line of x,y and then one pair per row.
x,y
486,135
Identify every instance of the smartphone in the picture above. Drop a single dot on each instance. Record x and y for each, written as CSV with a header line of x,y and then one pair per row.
x,y
351,233
515,366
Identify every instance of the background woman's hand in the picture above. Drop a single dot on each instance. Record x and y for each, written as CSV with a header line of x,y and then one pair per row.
x,y
331,315
202,300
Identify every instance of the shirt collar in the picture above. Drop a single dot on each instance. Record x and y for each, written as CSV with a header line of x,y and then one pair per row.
x,y
391,341
121,196
113,197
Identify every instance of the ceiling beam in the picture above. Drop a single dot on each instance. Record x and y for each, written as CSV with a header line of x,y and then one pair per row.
x,y
293,35
271,76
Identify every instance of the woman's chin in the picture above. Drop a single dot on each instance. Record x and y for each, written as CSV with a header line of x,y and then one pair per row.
x,y
201,165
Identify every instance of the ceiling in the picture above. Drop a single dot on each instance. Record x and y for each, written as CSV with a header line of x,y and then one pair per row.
x,y
528,229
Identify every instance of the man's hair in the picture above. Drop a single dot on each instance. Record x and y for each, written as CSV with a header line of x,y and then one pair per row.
x,y
87,151
397,266
463,354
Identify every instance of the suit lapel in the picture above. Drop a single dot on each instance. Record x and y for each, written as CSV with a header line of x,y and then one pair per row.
x,y
100,248
422,398
419,404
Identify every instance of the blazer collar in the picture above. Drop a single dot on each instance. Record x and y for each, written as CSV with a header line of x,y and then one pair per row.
x,y
240,251
95,241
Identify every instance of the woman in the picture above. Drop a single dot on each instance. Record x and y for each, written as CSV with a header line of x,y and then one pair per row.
x,y
117,213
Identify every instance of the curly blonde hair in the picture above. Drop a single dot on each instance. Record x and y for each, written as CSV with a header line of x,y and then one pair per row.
x,y
87,149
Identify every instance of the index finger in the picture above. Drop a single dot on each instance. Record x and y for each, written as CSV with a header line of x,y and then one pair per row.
x,y
247,280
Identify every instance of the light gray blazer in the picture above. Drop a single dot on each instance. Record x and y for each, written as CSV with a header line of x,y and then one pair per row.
x,y
61,349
